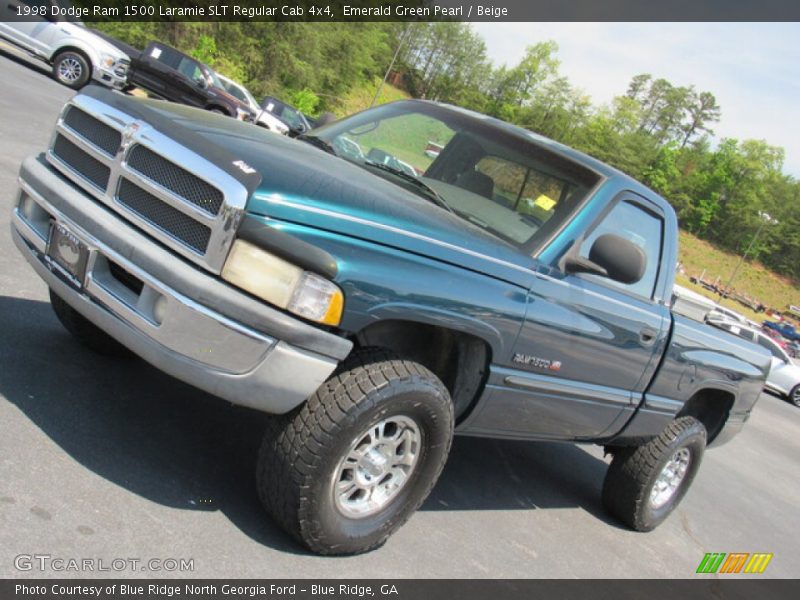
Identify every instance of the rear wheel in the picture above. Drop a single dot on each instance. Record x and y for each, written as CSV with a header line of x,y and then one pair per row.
x,y
72,69
86,332
644,484
349,467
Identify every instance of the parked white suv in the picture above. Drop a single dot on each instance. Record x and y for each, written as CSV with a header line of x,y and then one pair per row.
x,y
75,52
265,118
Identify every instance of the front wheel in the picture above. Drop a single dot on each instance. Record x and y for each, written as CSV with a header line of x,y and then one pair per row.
x,y
644,484
794,396
349,467
72,69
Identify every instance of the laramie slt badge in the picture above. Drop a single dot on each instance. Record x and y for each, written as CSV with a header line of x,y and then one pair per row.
x,y
537,363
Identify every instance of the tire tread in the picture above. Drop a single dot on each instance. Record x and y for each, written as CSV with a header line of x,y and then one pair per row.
x,y
626,486
294,443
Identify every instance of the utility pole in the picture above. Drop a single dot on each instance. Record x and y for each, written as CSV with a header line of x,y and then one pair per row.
x,y
765,218
391,64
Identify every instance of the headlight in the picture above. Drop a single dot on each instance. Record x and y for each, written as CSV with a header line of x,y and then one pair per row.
x,y
243,115
283,284
107,60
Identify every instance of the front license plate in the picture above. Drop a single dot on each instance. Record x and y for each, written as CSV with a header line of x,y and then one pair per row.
x,y
67,253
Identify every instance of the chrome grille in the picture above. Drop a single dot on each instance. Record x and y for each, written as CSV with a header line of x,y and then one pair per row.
x,y
179,198
91,169
92,130
174,178
163,216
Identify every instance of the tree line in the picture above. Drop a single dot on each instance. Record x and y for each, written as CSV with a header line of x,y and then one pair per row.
x,y
657,132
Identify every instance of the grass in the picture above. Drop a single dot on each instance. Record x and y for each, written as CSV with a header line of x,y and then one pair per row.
x,y
360,98
753,278
405,139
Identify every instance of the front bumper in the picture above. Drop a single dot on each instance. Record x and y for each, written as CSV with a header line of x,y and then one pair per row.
x,y
203,332
112,77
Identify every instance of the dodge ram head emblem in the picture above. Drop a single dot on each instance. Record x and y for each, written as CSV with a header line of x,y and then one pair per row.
x,y
128,133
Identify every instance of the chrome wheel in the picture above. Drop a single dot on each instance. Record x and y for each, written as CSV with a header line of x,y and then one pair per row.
x,y
670,478
377,466
795,396
70,70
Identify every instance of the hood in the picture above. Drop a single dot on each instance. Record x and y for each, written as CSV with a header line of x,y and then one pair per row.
x,y
97,42
303,184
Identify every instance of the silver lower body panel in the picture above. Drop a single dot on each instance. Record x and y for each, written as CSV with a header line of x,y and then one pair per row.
x,y
174,333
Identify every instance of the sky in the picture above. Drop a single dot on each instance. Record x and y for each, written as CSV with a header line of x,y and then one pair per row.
x,y
753,69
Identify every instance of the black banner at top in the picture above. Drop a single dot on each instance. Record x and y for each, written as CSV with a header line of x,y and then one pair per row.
x,y
404,10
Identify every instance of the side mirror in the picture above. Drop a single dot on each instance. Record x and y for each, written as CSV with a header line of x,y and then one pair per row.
x,y
201,82
610,256
297,130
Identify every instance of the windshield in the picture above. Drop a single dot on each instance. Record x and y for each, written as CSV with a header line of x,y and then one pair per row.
x,y
215,81
492,177
294,119
239,92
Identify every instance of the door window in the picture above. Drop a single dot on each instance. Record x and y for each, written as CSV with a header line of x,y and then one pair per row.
x,y
640,226
190,69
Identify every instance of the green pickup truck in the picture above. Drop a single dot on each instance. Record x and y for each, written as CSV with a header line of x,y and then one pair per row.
x,y
378,299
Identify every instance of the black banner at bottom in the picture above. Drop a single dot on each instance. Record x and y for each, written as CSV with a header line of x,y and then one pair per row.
x,y
399,589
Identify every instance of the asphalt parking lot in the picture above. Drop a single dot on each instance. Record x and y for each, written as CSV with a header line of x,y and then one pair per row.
x,y
105,459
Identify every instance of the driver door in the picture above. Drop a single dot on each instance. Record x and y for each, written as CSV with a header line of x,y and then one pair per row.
x,y
589,346
187,82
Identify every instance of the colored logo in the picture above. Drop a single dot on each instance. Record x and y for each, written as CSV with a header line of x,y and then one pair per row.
x,y
735,562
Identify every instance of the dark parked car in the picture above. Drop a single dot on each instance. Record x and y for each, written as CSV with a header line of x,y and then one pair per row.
x,y
784,329
178,77
296,121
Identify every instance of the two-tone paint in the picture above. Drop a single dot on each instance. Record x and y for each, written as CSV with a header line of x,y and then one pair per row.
x,y
626,365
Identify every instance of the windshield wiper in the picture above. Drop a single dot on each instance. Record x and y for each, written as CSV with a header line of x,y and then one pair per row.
x,y
431,193
319,143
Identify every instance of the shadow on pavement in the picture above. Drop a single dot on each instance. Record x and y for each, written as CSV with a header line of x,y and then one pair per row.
x,y
22,58
180,447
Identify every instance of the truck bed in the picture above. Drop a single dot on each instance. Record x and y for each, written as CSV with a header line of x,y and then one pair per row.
x,y
700,356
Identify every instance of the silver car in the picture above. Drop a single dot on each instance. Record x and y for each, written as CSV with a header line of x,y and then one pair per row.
x,y
784,374
75,53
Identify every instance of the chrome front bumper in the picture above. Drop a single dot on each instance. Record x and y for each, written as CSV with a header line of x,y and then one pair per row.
x,y
177,334
109,77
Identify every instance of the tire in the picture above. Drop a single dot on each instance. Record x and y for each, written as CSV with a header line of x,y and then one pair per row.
x,y
219,111
86,332
628,489
794,396
303,462
72,69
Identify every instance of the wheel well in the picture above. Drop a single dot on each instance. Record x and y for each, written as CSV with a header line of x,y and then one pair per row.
x,y
459,359
710,407
218,107
72,49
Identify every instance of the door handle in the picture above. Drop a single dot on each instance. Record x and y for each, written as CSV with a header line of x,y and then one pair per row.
x,y
647,335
